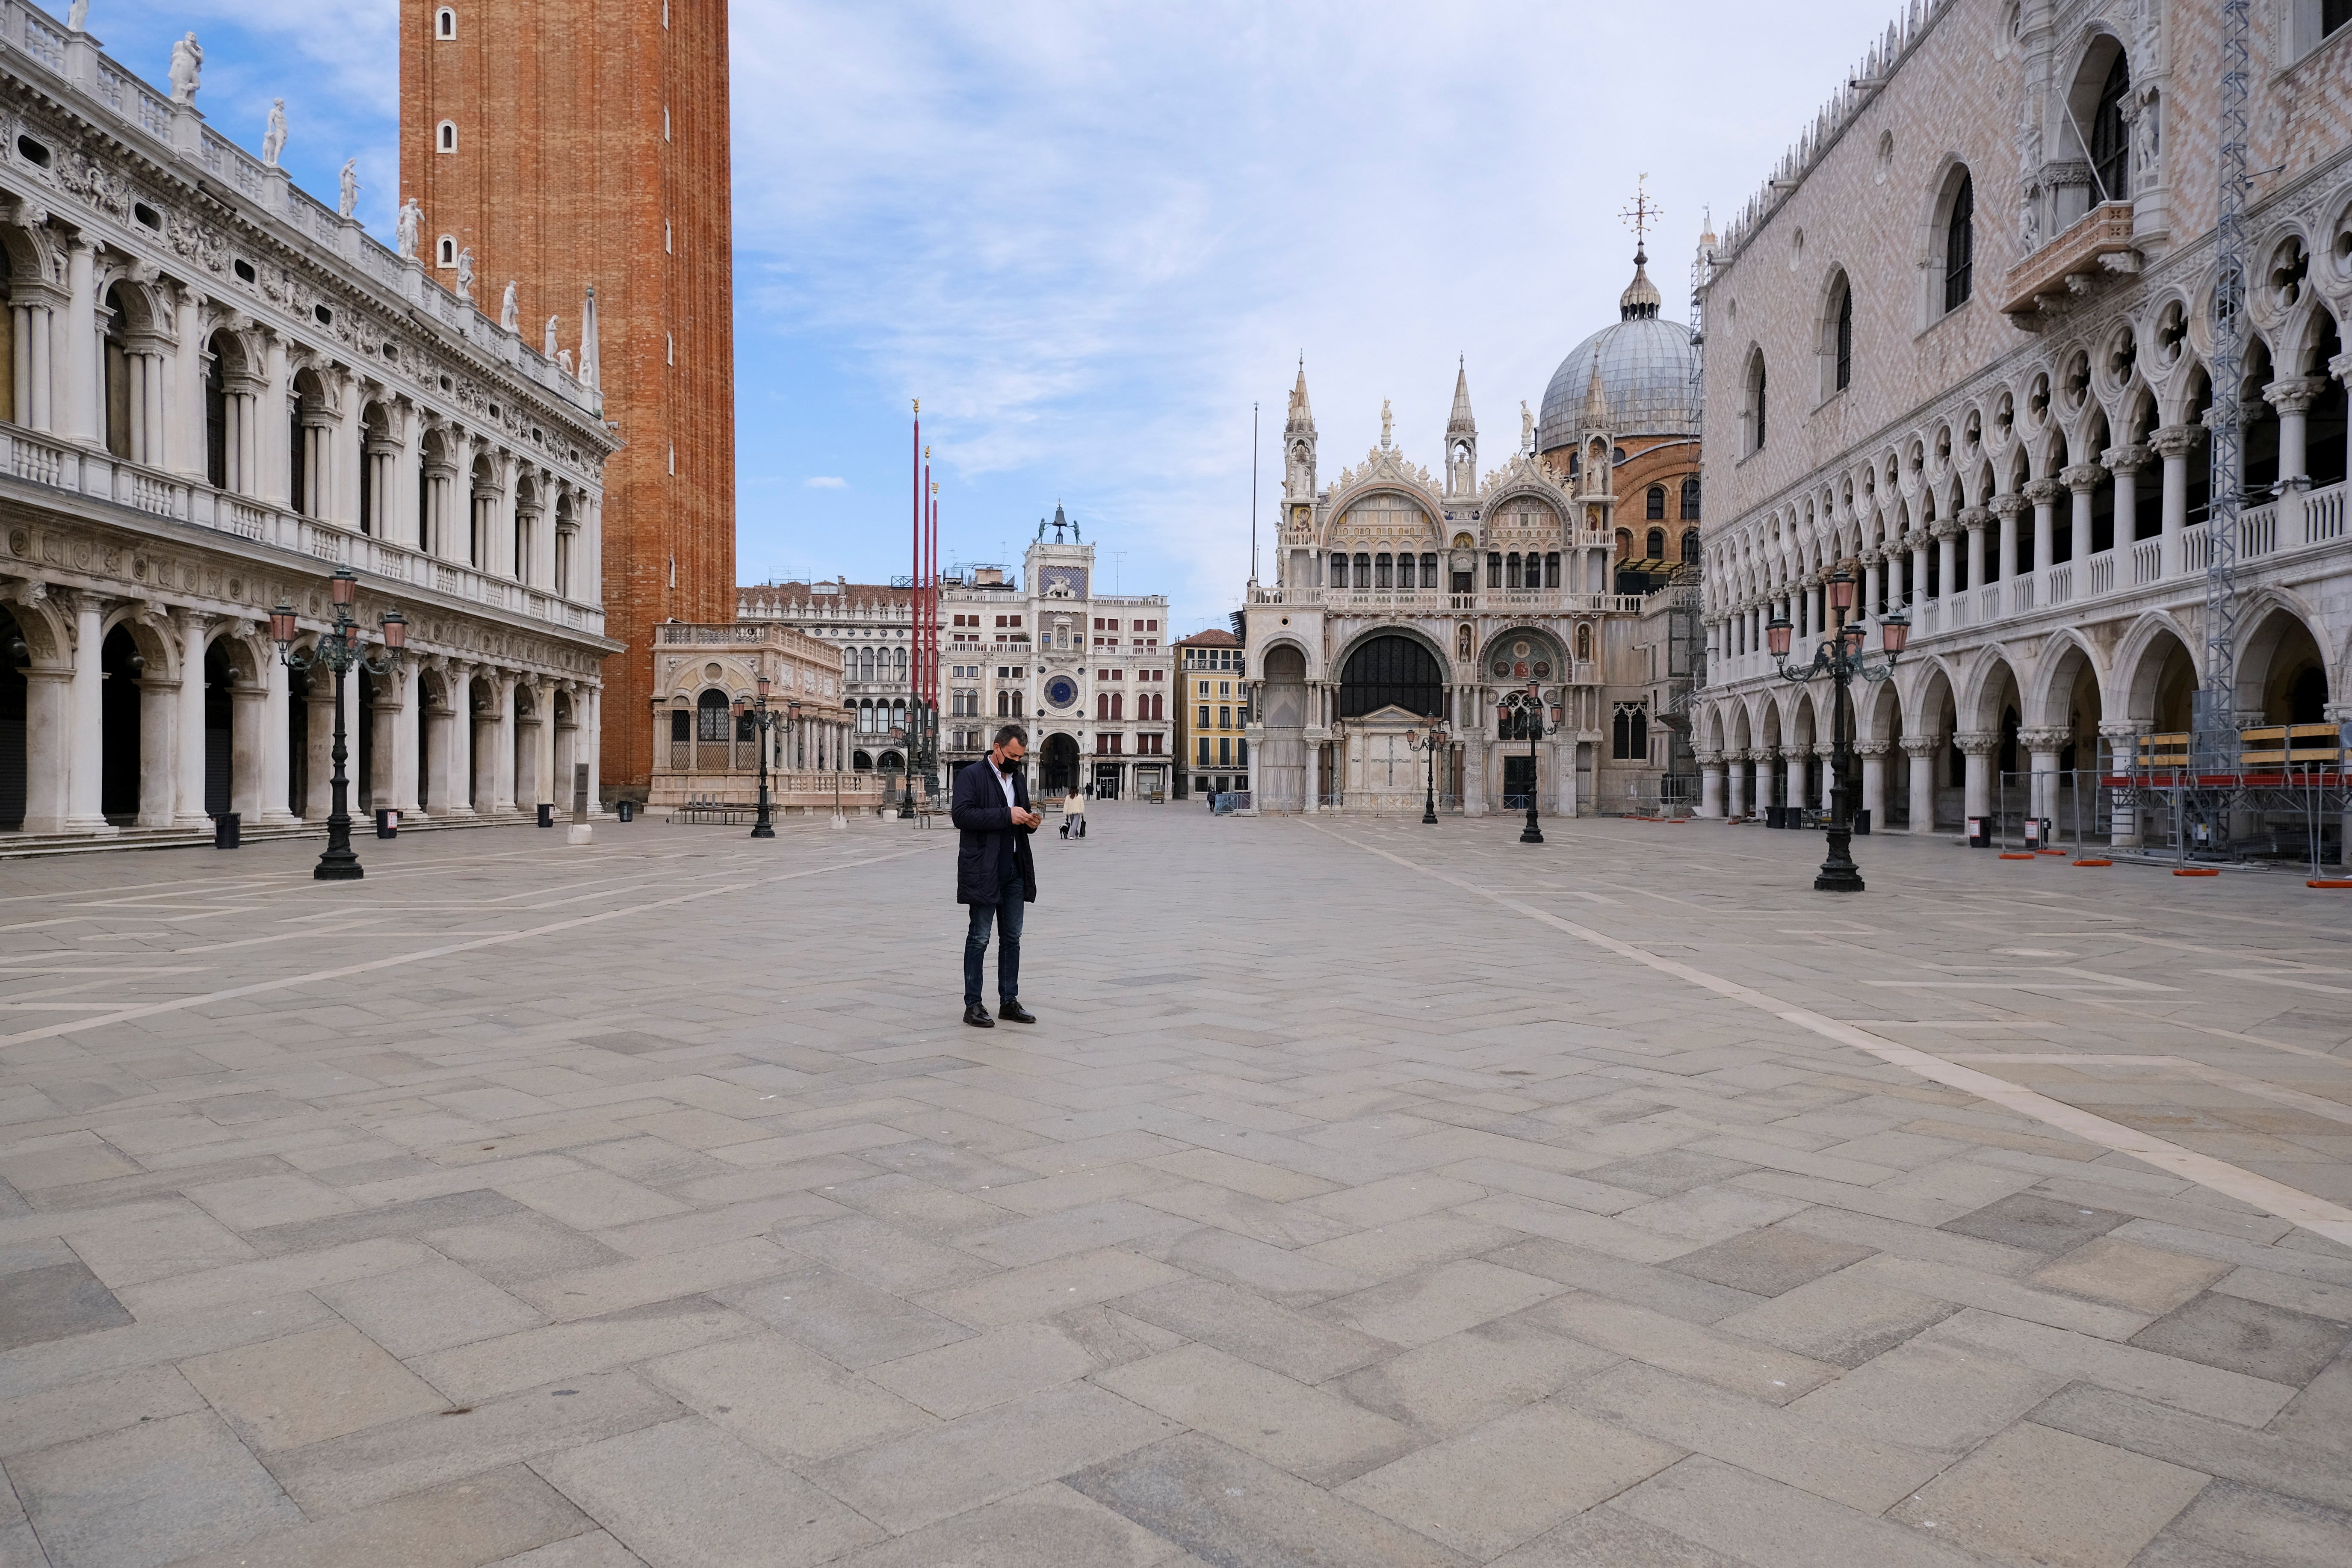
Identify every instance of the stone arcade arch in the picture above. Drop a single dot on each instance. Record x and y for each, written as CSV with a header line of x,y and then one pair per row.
x,y
1283,774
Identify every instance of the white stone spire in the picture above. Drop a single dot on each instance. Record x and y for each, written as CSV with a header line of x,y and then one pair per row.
x,y
1461,440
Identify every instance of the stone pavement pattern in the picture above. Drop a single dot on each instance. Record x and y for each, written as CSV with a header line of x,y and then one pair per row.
x,y
1355,1202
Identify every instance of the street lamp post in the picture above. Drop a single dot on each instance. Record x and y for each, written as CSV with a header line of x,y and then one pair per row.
x,y
1429,740
339,650
1840,658
1529,706
763,725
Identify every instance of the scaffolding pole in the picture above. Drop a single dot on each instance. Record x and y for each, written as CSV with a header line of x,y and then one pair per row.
x,y
2214,722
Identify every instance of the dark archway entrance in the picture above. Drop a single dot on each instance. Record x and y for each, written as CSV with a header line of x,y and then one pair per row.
x,y
1391,672
1061,774
117,772
14,654
220,725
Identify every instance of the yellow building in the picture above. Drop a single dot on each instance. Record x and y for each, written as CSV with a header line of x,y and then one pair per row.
x,y
1211,716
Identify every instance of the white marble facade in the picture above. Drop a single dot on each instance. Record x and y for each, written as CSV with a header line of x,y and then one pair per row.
x,y
216,390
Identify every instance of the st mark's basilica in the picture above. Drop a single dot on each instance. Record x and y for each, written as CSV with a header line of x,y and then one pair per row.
x,y
1400,597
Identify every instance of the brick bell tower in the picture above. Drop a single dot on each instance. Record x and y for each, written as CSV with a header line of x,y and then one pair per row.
x,y
579,144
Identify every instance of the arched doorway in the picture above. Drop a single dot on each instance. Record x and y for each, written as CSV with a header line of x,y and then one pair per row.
x,y
1061,764
122,666
1391,672
220,729
1282,760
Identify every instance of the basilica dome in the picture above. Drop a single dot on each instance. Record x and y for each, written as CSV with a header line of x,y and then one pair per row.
x,y
1647,372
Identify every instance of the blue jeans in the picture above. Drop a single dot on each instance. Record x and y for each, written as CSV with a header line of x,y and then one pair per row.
x,y
1005,915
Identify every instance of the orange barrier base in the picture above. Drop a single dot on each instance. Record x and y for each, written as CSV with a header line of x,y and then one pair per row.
x,y
2194,871
2027,856
2329,882
2094,862
2058,852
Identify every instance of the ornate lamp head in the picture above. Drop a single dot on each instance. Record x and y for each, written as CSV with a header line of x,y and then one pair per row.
x,y
1776,633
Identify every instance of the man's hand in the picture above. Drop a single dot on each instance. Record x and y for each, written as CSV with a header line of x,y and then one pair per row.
x,y
1028,818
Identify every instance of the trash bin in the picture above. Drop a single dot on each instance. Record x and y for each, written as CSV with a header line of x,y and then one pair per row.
x,y
225,830
1980,833
1776,816
546,813
388,823
628,811
1862,820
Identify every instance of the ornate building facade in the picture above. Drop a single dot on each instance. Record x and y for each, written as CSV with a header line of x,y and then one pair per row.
x,y
565,152
706,752
1402,597
1992,411
222,391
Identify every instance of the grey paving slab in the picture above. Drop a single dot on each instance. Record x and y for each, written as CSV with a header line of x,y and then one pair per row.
x,y
2020,1499
685,1494
1230,1251
151,1494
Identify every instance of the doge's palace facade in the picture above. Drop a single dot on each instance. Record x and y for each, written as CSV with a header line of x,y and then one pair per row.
x,y
216,392
1958,346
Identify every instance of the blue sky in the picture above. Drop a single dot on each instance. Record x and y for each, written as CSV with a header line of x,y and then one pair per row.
x,y
1088,235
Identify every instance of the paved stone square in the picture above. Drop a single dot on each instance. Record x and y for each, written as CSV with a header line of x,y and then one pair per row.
x,y
1368,1195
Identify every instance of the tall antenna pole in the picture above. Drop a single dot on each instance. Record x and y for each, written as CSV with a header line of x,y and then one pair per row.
x,y
1253,493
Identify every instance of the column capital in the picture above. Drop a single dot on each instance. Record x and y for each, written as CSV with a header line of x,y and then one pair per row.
x,y
1977,742
2044,737
1873,748
1976,517
2080,476
1872,558
2294,393
2006,505
2045,491
2177,440
1945,528
1922,745
2127,459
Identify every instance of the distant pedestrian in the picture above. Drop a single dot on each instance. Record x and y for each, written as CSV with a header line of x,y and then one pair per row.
x,y
995,874
1074,813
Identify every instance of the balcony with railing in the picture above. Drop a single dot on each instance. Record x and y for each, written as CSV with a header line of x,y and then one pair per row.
x,y
2095,248
38,460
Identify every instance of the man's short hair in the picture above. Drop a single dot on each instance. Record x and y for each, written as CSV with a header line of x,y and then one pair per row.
x,y
1012,732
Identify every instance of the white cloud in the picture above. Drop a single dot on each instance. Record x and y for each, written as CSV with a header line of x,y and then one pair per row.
x,y
1089,236
827,482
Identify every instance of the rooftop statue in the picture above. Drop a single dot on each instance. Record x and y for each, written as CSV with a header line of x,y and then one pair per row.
x,y
187,70
348,200
404,228
273,139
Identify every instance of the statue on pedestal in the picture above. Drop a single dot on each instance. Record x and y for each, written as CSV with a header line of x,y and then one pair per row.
x,y
348,201
273,139
507,311
187,70
404,228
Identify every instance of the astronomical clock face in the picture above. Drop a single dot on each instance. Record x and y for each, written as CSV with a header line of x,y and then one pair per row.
x,y
1063,582
1520,658
1061,691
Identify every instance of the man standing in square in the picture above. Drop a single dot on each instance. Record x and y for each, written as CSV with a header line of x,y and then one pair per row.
x,y
994,871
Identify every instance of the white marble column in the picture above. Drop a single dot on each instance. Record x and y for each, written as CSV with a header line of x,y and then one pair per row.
x,y
1736,785
2173,444
2041,747
502,743
1977,746
318,762
49,745
276,743
186,451
249,719
272,428
1923,752
2006,508
2043,494
2081,481
83,380
158,742
1873,782
84,811
193,628
1710,786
